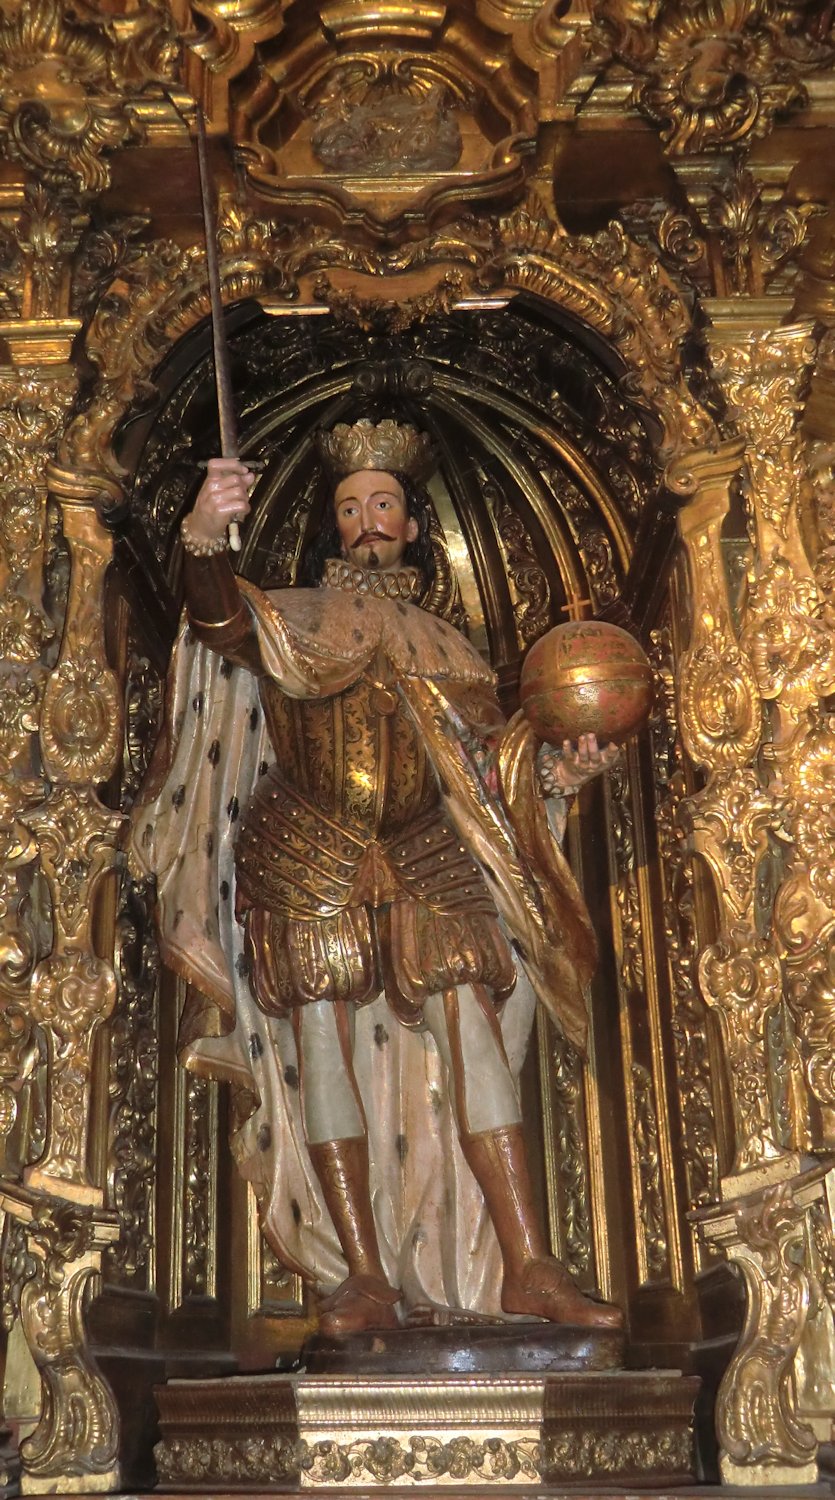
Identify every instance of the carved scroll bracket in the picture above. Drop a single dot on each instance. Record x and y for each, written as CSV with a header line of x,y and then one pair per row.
x,y
74,1446
781,1240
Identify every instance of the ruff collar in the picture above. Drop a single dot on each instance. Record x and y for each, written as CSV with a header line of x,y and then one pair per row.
x,y
405,583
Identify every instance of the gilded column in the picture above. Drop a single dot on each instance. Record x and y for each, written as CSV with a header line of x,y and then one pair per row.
x,y
60,738
761,824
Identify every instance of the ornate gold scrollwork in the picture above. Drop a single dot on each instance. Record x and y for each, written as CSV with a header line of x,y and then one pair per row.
x,y
606,281
33,406
64,82
719,702
789,638
729,825
81,716
760,1428
719,705
72,990
740,977
769,976
792,650
699,1146
711,74
77,1435
763,376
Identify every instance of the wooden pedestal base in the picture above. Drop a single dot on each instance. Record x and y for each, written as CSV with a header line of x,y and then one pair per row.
x,y
356,1432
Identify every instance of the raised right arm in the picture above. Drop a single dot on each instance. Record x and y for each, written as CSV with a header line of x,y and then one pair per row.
x,y
216,611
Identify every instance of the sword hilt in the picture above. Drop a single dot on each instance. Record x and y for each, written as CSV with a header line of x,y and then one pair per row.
x,y
257,465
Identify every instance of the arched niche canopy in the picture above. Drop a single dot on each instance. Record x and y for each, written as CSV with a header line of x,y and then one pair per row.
x,y
545,467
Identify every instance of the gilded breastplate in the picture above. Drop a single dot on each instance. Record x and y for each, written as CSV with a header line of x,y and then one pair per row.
x,y
350,813
356,756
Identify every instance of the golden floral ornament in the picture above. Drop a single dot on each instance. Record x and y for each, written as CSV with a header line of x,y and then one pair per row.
x,y
755,238
763,377
19,703
77,838
71,991
81,721
720,710
21,526
807,772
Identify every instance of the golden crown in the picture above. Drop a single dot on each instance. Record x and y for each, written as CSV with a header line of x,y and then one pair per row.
x,y
392,447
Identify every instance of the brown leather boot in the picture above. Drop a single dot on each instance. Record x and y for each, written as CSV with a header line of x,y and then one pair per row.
x,y
534,1281
365,1299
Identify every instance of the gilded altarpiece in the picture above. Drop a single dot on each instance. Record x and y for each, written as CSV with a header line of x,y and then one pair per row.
x,y
593,397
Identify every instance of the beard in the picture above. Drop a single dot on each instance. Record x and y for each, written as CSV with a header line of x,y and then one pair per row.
x,y
368,540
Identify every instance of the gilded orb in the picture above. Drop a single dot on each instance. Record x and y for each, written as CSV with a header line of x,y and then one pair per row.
x,y
586,677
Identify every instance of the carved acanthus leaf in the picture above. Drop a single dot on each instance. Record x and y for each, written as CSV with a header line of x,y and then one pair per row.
x,y
711,74
66,76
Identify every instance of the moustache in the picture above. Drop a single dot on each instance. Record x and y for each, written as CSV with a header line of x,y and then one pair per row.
x,y
372,536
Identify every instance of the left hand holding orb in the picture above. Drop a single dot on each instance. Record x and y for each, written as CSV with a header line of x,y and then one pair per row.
x,y
590,683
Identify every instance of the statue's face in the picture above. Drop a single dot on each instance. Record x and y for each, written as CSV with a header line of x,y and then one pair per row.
x,y
374,524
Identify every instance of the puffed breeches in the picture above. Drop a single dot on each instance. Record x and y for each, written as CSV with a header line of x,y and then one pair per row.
x,y
406,949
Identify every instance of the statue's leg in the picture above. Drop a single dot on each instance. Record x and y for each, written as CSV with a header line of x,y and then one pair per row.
x,y
466,1029
335,1129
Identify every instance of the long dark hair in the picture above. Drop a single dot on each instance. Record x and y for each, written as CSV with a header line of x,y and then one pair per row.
x,y
327,543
